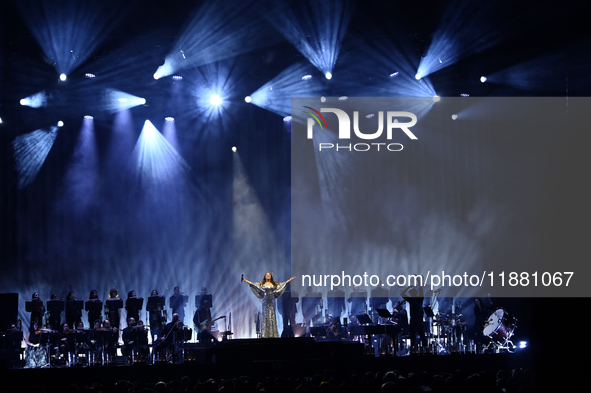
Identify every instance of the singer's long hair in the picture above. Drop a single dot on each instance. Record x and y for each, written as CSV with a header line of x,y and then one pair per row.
x,y
272,281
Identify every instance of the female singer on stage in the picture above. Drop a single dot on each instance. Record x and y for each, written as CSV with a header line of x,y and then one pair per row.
x,y
268,290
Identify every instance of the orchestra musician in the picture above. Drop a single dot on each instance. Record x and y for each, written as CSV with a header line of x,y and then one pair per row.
x,y
113,307
11,349
38,311
154,307
55,313
334,331
94,313
35,354
336,302
93,340
132,310
202,319
111,336
168,340
312,305
135,340
358,300
73,314
177,303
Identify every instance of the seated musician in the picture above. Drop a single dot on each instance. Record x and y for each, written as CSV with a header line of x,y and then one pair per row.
x,y
11,346
168,338
334,331
135,340
204,323
35,354
94,341
110,339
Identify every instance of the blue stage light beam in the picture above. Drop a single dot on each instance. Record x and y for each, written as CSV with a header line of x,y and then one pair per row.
x,y
257,248
155,161
36,100
116,100
82,176
315,28
384,67
217,31
467,28
535,75
276,94
30,151
69,31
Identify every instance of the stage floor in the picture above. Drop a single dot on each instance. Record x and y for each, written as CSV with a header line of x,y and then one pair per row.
x,y
262,358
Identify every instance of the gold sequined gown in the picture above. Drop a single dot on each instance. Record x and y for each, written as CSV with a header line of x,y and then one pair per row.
x,y
268,294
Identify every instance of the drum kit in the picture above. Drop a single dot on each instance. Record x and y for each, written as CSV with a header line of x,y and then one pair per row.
x,y
449,331
500,327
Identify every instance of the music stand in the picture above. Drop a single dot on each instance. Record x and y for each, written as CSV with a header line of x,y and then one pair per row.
x,y
383,313
74,306
93,305
318,331
364,319
55,306
155,303
35,306
113,304
135,303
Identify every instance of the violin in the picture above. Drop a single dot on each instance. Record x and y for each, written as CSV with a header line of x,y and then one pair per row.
x,y
41,331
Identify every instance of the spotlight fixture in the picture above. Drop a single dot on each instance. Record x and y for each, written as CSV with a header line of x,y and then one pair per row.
x,y
418,76
436,98
247,99
287,118
454,116
464,95
322,99
169,118
307,77
483,79
343,98
328,75
0,120
234,149
392,75
215,100
24,101
63,77
88,117
89,75
177,77
142,101
60,123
